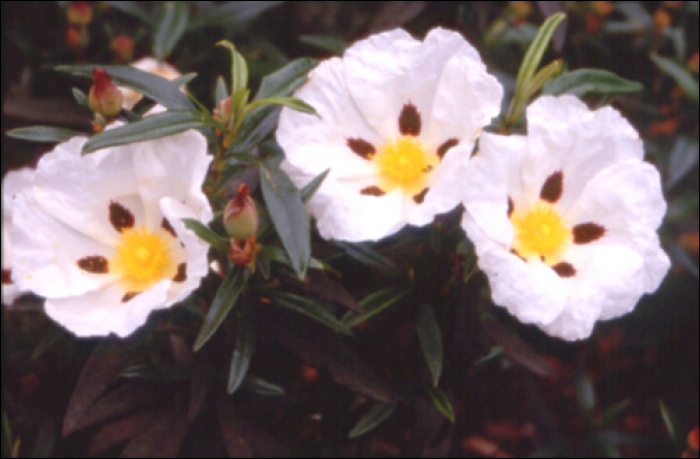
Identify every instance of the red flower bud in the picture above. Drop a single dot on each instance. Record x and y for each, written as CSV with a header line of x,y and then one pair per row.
x,y
79,13
242,253
222,112
240,215
123,48
104,98
77,39
693,440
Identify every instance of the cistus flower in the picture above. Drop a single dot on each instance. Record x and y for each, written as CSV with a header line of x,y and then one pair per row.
x,y
101,236
13,183
240,215
391,112
153,66
104,98
564,219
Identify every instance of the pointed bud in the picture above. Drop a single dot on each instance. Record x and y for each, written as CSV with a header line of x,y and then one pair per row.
x,y
104,98
662,20
123,48
242,253
240,215
693,440
222,112
79,13
77,39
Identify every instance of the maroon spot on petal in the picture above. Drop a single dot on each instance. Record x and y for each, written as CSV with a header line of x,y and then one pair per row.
x,y
409,120
511,206
129,296
515,252
372,191
362,148
586,233
181,275
6,277
553,187
442,149
95,264
420,197
120,217
564,270
165,224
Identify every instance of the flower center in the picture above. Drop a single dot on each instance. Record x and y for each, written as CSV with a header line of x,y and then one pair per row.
x,y
404,164
540,232
143,258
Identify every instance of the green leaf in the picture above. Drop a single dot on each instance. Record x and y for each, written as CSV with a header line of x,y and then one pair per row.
x,y
312,187
374,304
291,102
184,80
232,15
541,77
289,216
682,161
239,79
672,425
333,45
149,128
286,80
496,351
585,393
46,134
170,29
160,89
369,257
441,402
612,414
262,387
590,81
245,346
80,97
688,84
310,309
376,415
6,436
224,301
133,9
218,242
430,341
221,91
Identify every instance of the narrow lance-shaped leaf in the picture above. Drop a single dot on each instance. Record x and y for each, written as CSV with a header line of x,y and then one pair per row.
x,y
333,45
430,341
221,91
262,387
688,84
219,243
223,303
133,9
441,402
312,187
289,216
369,257
374,304
541,77
46,134
245,346
239,81
80,97
286,80
150,128
376,415
291,102
672,424
232,15
170,29
310,309
590,81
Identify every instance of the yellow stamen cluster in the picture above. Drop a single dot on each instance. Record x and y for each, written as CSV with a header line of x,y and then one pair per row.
x,y
142,259
404,164
541,233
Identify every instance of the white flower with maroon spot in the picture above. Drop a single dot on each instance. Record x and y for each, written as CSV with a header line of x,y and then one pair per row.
x,y
101,236
564,219
392,110
12,183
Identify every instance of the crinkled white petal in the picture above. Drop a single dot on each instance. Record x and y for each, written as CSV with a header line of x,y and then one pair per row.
x,y
362,96
12,184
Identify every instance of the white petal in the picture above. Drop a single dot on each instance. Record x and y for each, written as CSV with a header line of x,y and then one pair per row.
x,y
102,312
150,65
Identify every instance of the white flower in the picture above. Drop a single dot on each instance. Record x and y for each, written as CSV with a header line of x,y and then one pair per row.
x,y
564,220
13,183
101,236
392,109
150,65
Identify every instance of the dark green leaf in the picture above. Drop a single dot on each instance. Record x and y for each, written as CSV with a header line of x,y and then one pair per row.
x,y
673,426
133,9
333,45
155,372
518,350
254,128
612,414
118,432
430,341
170,29
221,91
219,243
160,89
542,76
80,97
291,102
286,80
48,340
6,436
261,387
495,352
288,215
682,161
245,346
441,402
163,437
369,257
590,81
239,78
46,134
232,15
688,84
310,309
223,303
374,304
184,80
376,415
585,393
149,128
312,187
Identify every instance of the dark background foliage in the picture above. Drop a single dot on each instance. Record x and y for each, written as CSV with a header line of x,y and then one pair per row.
x,y
511,390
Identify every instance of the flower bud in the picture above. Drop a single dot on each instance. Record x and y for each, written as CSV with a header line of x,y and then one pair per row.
x,y
662,20
602,8
104,98
242,253
222,112
79,13
693,440
693,63
123,48
240,215
77,39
